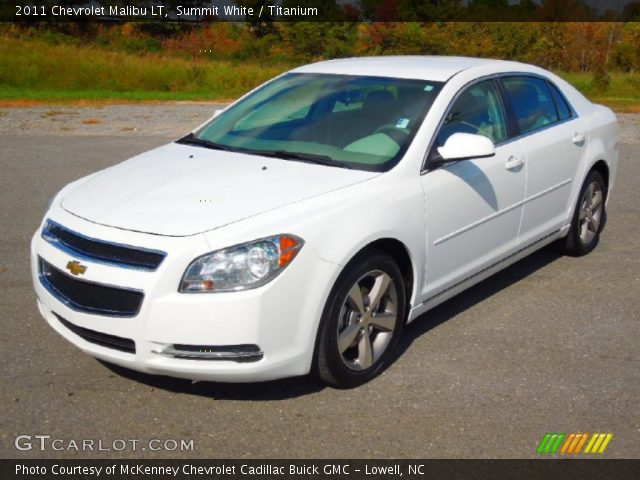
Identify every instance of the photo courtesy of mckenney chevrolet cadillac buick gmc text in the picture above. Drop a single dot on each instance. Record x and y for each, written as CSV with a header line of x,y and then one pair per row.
x,y
302,227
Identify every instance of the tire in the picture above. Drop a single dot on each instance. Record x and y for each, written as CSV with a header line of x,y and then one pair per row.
x,y
359,330
589,217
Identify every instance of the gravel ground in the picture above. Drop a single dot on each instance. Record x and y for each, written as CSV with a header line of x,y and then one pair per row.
x,y
550,344
169,120
163,119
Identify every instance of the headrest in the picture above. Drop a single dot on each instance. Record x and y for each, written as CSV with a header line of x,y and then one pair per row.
x,y
379,98
524,96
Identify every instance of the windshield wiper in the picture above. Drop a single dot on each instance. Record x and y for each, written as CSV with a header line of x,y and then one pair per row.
x,y
191,139
304,157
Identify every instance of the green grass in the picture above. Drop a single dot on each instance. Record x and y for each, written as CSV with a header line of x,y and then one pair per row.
x,y
622,93
13,93
38,71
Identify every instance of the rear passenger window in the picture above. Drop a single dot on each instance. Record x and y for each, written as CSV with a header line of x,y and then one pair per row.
x,y
561,104
532,102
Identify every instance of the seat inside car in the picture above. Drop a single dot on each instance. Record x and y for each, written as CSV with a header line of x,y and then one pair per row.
x,y
348,126
377,108
530,111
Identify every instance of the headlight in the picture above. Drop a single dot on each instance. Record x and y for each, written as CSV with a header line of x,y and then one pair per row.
x,y
241,267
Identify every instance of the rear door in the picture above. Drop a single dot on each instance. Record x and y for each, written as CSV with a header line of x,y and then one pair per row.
x,y
554,142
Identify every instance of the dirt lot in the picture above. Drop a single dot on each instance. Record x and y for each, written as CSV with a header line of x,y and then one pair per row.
x,y
551,344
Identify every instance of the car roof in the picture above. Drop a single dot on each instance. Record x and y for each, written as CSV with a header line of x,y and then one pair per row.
x,y
434,68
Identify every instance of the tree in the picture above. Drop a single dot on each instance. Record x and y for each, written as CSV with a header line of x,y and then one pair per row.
x,y
565,11
260,26
631,12
429,10
495,4
488,10
370,8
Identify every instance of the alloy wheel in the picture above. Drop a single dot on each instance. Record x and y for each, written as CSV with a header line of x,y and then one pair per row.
x,y
367,320
591,208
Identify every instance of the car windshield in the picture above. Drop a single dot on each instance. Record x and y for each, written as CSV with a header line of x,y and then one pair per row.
x,y
345,121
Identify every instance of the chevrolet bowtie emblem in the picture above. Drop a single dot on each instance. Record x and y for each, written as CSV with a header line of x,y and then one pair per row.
x,y
76,268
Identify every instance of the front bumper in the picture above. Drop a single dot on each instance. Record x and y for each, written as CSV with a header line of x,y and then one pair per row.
x,y
254,335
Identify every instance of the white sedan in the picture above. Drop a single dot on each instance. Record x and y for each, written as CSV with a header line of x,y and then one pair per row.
x,y
301,228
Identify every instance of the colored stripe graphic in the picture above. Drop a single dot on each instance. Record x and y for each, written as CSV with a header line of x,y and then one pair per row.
x,y
581,443
543,443
572,443
550,442
594,437
607,439
557,443
598,443
568,442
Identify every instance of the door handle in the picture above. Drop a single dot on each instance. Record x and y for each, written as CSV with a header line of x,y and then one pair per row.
x,y
578,139
514,162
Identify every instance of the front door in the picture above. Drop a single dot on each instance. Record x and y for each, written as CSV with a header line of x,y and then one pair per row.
x,y
473,207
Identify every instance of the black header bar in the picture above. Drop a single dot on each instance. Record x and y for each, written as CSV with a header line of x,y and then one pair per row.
x,y
259,11
344,469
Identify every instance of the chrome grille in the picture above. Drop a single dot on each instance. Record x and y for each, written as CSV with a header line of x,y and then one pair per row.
x,y
89,297
101,251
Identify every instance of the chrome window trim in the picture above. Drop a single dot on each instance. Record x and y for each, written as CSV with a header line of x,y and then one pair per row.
x,y
537,130
497,76
573,116
464,88
572,110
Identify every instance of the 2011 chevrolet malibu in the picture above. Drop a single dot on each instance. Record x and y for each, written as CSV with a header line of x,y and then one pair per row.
x,y
302,227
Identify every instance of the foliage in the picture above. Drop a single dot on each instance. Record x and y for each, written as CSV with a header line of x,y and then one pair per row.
x,y
34,65
223,59
570,46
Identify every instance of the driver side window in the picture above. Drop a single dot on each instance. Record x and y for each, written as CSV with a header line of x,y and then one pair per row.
x,y
477,110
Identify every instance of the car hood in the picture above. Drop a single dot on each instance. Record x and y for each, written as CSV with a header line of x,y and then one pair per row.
x,y
180,190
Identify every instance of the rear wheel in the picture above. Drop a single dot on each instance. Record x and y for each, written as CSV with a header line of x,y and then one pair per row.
x,y
362,321
589,217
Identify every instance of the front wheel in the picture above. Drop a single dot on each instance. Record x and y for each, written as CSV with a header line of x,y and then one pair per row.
x,y
589,217
362,321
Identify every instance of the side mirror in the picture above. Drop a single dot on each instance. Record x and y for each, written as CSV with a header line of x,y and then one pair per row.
x,y
464,146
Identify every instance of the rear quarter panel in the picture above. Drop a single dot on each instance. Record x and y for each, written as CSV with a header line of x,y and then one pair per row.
x,y
601,128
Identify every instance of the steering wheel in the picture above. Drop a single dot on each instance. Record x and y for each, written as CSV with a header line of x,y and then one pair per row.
x,y
398,135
